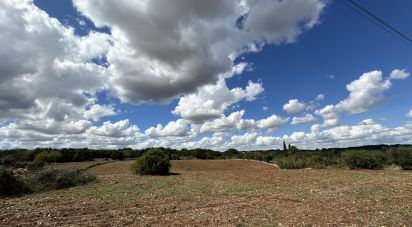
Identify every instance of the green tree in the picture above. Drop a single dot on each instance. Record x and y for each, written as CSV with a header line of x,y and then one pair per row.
x,y
47,157
54,156
117,155
42,157
153,162
232,153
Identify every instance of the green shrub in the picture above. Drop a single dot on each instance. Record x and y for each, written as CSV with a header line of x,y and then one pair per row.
x,y
361,159
404,158
31,166
118,155
50,179
315,160
153,162
42,157
291,163
10,184
268,158
73,178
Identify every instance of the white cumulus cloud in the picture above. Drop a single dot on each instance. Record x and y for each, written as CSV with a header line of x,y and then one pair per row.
x,y
203,40
366,91
398,74
174,128
303,120
235,121
96,111
409,114
365,132
294,106
210,101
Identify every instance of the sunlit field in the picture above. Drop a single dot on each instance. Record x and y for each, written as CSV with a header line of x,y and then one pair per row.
x,y
220,192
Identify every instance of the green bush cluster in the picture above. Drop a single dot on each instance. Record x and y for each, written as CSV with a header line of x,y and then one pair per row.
x,y
118,155
402,157
43,180
314,159
292,163
364,159
352,159
11,184
47,157
50,179
29,165
153,162
399,155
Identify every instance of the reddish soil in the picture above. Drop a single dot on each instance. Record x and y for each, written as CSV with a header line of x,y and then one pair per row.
x,y
119,167
224,192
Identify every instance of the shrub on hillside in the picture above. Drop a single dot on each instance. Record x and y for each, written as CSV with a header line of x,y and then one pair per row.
x,y
302,160
10,184
32,166
21,181
50,179
291,163
153,162
404,158
267,158
362,159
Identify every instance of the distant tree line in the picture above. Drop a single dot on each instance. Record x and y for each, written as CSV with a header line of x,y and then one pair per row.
x,y
289,157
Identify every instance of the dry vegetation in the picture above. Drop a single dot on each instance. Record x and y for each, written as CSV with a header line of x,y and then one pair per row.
x,y
73,165
232,192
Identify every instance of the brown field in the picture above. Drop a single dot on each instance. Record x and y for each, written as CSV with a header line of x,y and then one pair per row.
x,y
216,193
122,167
73,165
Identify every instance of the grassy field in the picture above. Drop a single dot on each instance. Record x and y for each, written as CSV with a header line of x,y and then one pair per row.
x,y
221,192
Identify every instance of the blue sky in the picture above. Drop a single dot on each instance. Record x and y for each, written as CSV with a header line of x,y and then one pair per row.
x,y
330,47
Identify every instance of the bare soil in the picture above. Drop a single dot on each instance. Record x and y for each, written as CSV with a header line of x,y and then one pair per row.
x,y
119,167
221,192
73,165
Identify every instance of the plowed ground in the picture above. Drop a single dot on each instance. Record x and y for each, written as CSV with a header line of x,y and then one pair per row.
x,y
73,165
221,192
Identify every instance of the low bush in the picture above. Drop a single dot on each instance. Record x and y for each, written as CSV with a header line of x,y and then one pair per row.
x,y
10,184
153,162
291,163
22,181
362,159
301,160
404,158
31,166
58,179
